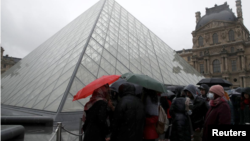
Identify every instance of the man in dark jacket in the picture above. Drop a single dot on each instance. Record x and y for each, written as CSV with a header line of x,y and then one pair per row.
x,y
180,129
129,116
199,108
245,106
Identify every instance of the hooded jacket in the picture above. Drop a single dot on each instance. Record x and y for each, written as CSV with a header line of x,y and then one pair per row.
x,y
129,116
199,108
245,106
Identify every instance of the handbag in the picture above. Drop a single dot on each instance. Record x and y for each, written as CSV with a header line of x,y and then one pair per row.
x,y
163,122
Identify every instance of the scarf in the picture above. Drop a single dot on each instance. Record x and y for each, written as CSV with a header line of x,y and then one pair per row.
x,y
216,101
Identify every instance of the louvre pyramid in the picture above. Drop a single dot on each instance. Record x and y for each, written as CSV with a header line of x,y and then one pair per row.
x,y
104,40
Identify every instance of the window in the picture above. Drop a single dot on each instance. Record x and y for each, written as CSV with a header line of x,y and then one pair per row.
x,y
231,35
215,38
232,49
201,68
233,65
201,54
216,66
188,58
200,41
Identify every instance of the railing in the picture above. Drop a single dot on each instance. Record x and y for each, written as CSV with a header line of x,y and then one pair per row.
x,y
58,132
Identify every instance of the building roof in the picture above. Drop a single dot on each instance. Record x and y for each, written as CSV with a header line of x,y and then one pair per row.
x,y
221,12
12,58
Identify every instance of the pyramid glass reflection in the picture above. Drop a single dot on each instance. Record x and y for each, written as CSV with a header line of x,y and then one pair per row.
x,y
104,40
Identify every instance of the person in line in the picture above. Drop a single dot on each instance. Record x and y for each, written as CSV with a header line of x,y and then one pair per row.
x,y
204,88
245,106
166,103
151,104
95,125
199,108
181,126
227,98
129,116
219,111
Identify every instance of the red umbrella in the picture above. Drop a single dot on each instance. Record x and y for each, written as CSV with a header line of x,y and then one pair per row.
x,y
89,89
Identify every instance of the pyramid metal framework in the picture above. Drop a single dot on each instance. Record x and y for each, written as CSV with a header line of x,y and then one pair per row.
x,y
104,40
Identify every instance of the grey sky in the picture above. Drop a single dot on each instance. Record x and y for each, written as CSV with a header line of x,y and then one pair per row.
x,y
25,24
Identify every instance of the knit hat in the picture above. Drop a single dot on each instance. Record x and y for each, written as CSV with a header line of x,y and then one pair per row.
x,y
217,89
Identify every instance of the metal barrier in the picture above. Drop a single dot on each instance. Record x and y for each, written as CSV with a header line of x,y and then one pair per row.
x,y
58,132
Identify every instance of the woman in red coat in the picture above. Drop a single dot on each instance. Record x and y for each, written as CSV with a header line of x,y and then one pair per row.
x,y
219,112
150,100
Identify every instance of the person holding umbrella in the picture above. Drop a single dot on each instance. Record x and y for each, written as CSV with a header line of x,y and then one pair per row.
x,y
95,126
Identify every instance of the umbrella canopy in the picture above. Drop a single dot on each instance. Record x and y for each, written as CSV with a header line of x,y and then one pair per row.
x,y
168,94
89,89
239,89
115,86
215,81
233,92
145,81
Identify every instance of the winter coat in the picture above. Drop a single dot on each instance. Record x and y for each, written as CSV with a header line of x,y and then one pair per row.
x,y
231,110
149,129
180,122
216,115
95,127
129,116
245,107
199,108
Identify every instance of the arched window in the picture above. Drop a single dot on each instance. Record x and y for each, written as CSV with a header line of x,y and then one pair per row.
x,y
200,41
215,38
231,35
216,66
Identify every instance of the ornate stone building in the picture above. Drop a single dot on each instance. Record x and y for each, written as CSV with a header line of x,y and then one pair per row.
x,y
221,45
7,61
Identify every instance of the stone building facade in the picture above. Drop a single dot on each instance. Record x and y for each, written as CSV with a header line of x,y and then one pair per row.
x,y
221,45
7,61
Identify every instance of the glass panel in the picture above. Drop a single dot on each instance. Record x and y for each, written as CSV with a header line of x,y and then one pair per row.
x,y
85,76
54,105
71,106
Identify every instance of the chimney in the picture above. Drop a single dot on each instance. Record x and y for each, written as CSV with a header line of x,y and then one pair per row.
x,y
198,16
239,10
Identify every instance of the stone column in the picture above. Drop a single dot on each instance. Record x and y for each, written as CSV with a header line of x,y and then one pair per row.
x,y
222,64
205,66
243,62
238,66
226,64
240,81
245,82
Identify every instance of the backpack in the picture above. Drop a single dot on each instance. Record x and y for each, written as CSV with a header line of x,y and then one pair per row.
x,y
163,122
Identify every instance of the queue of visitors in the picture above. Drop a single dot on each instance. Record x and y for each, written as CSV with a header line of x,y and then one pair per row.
x,y
125,116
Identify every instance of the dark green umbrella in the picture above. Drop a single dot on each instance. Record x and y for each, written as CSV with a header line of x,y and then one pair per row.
x,y
145,81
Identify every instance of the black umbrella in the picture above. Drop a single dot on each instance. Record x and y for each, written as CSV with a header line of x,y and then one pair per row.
x,y
239,89
115,86
215,81
168,94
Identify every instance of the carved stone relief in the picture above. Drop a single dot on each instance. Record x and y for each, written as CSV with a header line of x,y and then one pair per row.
x,y
223,35
207,38
238,31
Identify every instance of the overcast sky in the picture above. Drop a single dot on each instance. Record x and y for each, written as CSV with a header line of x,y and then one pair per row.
x,y
25,24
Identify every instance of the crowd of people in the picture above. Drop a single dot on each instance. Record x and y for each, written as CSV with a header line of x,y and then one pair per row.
x,y
125,116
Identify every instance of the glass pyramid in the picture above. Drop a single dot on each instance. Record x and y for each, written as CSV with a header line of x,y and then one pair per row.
x,y
104,40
